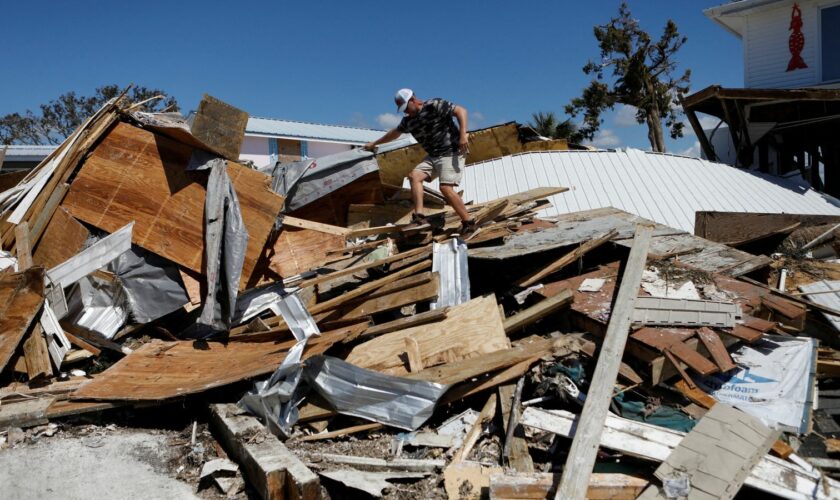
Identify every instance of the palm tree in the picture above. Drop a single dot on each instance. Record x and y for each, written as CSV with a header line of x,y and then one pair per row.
x,y
545,123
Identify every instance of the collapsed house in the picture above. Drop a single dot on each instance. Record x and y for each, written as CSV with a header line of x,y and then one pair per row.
x,y
314,323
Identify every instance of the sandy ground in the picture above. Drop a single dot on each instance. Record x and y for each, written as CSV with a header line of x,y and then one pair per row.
x,y
113,465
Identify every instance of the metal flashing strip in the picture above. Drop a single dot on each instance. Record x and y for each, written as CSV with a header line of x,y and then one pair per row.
x,y
449,260
685,312
92,258
57,342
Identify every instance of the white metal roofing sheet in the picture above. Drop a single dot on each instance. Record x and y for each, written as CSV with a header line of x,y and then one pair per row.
x,y
664,188
312,131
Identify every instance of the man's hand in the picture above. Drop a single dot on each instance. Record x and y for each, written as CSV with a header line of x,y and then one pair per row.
x,y
370,147
464,145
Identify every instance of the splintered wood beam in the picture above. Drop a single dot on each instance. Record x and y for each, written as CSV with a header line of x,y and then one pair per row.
x,y
37,354
538,311
22,246
475,431
399,324
368,287
584,449
567,259
518,456
273,470
367,265
288,220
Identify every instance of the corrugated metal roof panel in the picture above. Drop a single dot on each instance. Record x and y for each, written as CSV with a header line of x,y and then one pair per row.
x,y
664,188
27,152
311,131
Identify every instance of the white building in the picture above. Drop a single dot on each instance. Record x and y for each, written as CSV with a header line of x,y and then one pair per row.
x,y
770,31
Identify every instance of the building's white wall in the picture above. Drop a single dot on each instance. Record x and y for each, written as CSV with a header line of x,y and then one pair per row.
x,y
319,149
766,50
255,149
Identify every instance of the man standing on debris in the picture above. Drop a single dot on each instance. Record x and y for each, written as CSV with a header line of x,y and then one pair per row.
x,y
431,124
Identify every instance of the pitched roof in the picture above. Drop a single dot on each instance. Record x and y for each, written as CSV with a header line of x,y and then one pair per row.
x,y
664,188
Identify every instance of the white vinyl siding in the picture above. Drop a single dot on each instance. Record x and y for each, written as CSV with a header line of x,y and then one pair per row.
x,y
766,48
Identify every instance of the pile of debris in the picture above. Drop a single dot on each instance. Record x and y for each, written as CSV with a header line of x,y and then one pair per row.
x,y
335,347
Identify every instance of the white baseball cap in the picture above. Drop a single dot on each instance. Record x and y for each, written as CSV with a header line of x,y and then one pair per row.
x,y
402,97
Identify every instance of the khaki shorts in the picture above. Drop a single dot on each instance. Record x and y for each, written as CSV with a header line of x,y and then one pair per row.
x,y
448,168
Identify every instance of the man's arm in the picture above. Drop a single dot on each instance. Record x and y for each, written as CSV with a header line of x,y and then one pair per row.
x,y
389,136
461,114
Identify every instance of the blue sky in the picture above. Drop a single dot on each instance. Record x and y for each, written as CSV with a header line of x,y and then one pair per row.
x,y
340,62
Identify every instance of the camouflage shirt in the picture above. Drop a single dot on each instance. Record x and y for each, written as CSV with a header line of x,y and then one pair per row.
x,y
434,128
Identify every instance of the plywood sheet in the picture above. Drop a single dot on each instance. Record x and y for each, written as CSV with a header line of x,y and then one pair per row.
x,y
296,250
470,329
134,174
63,238
161,370
21,297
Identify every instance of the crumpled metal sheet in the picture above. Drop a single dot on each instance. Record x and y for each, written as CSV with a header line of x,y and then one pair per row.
x,y
97,305
389,400
308,180
276,400
152,284
449,260
225,242
256,301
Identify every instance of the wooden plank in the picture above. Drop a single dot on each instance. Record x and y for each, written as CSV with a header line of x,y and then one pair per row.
x,y
567,259
219,126
665,339
716,348
412,352
718,454
135,174
584,447
341,432
678,366
83,344
423,318
161,370
369,287
734,228
45,216
332,275
25,413
274,471
540,485
411,290
22,247
487,413
743,332
288,220
519,458
538,311
63,238
479,328
297,250
21,297
651,442
37,354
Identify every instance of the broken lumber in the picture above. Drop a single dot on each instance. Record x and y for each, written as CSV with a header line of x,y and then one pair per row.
x,y
567,259
537,312
772,475
538,486
584,448
274,471
474,433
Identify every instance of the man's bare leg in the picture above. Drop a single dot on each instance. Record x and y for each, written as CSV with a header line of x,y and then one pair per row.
x,y
454,200
416,178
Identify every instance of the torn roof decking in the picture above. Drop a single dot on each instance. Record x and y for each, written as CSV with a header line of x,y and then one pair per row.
x,y
21,297
576,228
134,174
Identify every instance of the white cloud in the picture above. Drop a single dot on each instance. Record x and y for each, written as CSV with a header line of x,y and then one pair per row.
x,y
476,119
605,139
626,116
708,122
388,120
693,151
